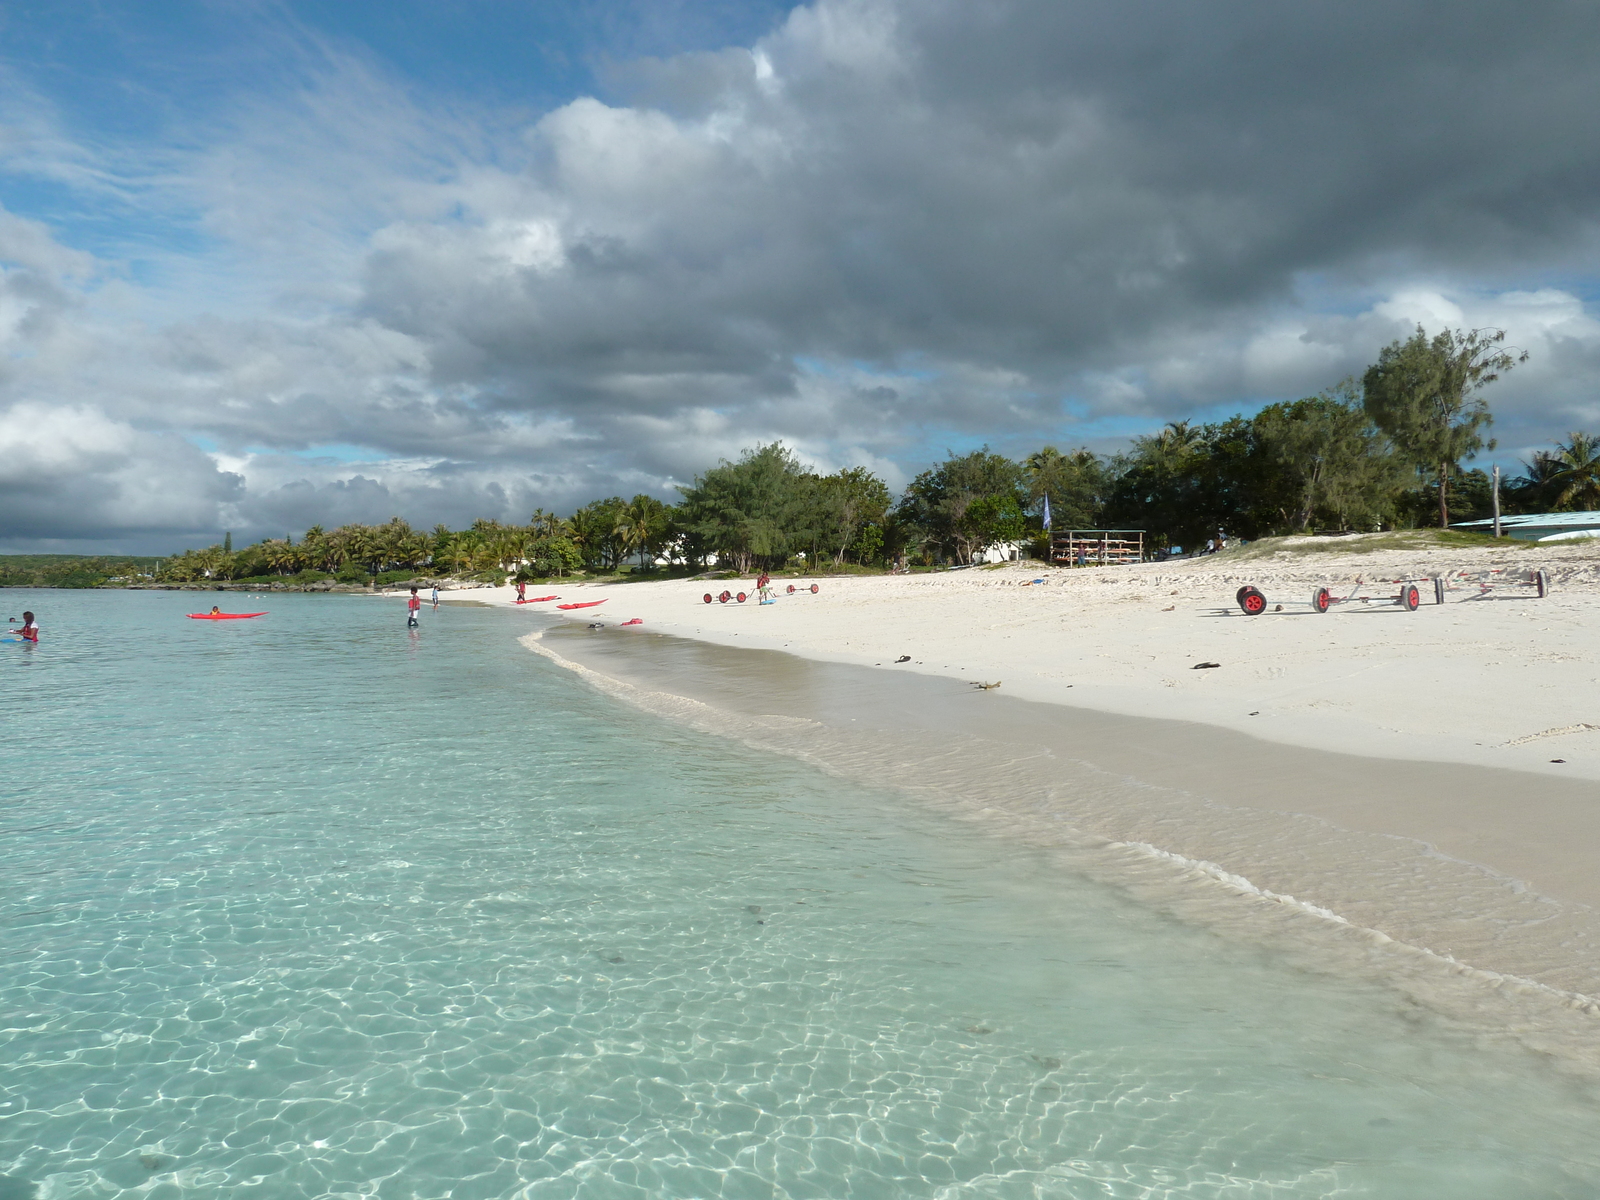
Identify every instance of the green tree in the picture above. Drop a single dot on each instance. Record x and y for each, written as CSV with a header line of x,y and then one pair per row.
x,y
750,510
848,510
595,532
643,525
1576,477
1422,393
1536,489
966,503
1155,486
1333,462
1074,482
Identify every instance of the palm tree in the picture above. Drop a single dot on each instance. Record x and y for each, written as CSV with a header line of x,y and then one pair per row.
x,y
640,525
1577,476
361,545
548,525
280,556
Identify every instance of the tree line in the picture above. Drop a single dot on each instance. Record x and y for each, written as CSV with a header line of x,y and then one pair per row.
x,y
1385,451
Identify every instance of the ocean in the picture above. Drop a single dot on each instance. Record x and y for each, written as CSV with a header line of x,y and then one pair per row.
x,y
316,906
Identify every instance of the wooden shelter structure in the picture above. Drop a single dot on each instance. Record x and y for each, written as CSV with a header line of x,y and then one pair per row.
x,y
1097,547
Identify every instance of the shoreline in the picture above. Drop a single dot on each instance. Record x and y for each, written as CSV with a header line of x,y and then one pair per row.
x,y
1380,776
1463,939
1508,680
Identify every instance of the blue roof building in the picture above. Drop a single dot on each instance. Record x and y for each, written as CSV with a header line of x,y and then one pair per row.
x,y
1540,527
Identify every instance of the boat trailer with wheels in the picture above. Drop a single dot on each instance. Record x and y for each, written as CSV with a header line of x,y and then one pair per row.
x,y
1253,602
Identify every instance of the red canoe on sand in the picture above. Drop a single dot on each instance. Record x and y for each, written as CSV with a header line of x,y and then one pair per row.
x,y
223,616
582,604
535,599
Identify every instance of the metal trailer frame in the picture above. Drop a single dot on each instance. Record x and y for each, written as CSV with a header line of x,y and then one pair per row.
x,y
1253,603
1484,584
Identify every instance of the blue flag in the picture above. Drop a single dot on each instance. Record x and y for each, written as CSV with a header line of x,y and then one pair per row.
x,y
1047,512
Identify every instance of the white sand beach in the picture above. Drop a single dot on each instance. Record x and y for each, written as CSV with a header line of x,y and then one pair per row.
x,y
1393,768
1505,680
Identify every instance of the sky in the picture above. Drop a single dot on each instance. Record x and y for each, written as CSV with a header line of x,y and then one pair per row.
x,y
266,264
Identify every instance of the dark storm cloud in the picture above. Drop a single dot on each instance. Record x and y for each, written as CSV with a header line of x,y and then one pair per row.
x,y
1031,190
884,229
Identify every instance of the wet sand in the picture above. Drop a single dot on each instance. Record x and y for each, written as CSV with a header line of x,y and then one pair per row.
x,y
1473,883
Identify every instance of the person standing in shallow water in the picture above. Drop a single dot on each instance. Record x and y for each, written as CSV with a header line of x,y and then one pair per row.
x,y
436,597
29,631
413,606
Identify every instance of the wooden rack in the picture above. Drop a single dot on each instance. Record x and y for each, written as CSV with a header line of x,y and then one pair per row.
x,y
1097,547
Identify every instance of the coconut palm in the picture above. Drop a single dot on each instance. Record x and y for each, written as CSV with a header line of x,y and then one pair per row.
x,y
1577,475
361,545
640,525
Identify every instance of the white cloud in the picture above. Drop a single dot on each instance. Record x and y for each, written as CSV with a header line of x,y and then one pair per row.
x,y
886,228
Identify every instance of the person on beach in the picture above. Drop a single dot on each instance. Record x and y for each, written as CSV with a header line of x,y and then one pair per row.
x,y
29,631
413,606
762,588
522,591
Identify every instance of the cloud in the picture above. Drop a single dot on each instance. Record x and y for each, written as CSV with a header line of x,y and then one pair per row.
x,y
886,228
72,473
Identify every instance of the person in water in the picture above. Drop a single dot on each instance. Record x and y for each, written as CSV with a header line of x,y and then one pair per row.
x,y
29,631
436,597
413,606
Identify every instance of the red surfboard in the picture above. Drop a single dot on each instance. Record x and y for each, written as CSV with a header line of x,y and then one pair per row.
x,y
582,604
224,616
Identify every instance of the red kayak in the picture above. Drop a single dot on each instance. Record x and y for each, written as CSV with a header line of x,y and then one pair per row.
x,y
535,599
224,616
582,604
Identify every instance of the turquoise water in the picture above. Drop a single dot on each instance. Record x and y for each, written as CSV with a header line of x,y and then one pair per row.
x,y
314,906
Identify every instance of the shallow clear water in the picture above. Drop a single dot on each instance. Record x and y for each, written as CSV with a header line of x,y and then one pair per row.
x,y
314,906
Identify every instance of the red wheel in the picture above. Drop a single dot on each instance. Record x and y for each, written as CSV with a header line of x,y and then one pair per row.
x,y
740,597
725,597
708,597
1410,597
790,589
1252,601
815,589
1321,601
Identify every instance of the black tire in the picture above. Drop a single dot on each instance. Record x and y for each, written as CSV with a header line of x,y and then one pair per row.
x,y
790,589
1410,597
1438,590
725,597
815,589
1252,601
1541,581
708,597
1238,597
741,597
1321,600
